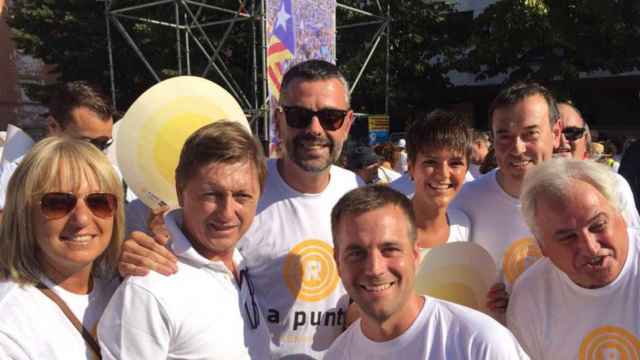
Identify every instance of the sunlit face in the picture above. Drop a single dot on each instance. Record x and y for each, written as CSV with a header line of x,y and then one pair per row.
x,y
584,235
523,137
377,261
438,174
313,148
70,244
219,204
571,149
86,125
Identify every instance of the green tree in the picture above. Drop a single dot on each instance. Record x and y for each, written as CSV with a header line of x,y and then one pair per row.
x,y
554,40
71,34
423,44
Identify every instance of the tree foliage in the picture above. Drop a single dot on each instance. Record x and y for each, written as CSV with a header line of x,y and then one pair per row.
x,y
71,34
524,39
550,40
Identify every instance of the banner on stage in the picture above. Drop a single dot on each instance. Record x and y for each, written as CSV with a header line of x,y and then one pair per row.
x,y
297,30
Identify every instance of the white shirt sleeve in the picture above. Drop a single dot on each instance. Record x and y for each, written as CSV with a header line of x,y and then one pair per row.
x,y
134,325
10,349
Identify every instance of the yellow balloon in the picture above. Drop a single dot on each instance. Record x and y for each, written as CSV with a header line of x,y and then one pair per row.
x,y
151,134
460,272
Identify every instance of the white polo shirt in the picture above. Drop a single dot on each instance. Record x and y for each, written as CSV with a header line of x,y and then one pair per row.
x,y
200,312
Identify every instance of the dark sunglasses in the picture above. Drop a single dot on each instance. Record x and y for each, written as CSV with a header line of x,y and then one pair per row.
x,y
573,133
101,143
56,205
300,118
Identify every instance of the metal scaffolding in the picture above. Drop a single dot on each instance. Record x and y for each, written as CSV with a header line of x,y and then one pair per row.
x,y
191,40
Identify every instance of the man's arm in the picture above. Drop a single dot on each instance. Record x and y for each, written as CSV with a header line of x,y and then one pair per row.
x,y
141,252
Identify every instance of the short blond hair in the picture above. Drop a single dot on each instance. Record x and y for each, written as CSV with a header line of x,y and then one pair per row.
x,y
51,163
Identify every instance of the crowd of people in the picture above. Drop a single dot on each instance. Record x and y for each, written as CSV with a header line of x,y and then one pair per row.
x,y
298,258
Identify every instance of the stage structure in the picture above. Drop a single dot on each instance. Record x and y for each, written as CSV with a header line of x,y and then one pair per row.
x,y
189,22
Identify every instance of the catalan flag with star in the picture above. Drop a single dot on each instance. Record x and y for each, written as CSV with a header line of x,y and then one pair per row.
x,y
282,45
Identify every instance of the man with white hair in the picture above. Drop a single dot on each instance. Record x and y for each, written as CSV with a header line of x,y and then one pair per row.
x,y
581,300
574,143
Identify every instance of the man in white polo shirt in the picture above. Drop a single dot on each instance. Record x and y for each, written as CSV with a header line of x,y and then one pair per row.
x,y
581,301
208,309
374,232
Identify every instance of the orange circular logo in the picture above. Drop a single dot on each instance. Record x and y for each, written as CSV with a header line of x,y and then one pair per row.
x,y
310,272
610,342
519,256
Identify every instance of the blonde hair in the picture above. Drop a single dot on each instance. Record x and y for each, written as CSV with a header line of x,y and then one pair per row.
x,y
52,163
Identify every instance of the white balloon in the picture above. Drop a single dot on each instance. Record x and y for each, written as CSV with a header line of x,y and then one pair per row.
x,y
154,129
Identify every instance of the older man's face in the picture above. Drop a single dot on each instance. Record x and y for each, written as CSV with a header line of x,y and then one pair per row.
x,y
584,235
219,205
576,149
314,148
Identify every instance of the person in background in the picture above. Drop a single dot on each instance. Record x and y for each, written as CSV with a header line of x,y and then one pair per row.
x,y
439,149
480,149
59,248
591,263
78,110
575,142
402,165
374,231
390,156
363,161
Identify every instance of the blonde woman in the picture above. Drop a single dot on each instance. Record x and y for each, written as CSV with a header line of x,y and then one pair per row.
x,y
60,241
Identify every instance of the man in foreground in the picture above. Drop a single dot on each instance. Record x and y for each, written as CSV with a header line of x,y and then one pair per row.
x,y
208,309
374,233
581,300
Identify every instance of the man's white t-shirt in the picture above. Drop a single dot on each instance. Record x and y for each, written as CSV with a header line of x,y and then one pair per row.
x,y
474,170
442,330
289,251
201,312
553,318
498,226
32,326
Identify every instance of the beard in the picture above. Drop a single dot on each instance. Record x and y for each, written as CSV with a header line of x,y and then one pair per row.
x,y
314,164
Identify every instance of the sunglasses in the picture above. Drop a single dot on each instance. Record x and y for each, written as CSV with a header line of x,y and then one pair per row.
x,y
56,205
101,143
573,133
300,118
